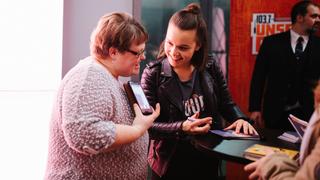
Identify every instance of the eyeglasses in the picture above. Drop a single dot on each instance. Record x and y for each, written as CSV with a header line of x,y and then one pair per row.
x,y
137,54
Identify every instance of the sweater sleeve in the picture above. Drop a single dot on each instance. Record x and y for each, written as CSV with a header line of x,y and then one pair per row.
x,y
86,106
279,166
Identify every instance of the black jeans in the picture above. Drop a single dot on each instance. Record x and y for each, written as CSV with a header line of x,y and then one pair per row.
x,y
189,163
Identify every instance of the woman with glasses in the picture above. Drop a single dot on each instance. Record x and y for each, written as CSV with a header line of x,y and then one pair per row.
x,y
94,133
193,96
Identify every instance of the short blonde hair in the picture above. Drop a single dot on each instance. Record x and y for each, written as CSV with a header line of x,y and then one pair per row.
x,y
118,30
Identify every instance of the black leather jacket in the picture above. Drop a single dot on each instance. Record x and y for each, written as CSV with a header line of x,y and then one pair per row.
x,y
160,85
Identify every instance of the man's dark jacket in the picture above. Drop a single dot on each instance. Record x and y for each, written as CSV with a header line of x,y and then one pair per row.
x,y
275,74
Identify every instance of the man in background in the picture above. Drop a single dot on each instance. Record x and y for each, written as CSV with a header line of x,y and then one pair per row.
x,y
286,65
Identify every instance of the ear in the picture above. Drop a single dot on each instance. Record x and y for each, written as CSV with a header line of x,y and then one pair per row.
x,y
113,52
299,18
198,47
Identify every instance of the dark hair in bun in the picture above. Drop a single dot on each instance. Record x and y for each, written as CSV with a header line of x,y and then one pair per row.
x,y
192,8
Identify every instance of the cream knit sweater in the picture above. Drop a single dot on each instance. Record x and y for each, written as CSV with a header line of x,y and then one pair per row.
x,y
90,102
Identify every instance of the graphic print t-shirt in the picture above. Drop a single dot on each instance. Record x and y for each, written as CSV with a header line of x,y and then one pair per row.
x,y
192,95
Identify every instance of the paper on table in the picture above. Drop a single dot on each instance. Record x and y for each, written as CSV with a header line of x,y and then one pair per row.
x,y
299,125
290,136
233,135
257,151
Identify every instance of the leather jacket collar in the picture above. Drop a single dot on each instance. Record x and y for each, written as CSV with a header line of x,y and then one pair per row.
x,y
166,69
169,85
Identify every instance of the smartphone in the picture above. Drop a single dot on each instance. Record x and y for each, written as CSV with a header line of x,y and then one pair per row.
x,y
136,95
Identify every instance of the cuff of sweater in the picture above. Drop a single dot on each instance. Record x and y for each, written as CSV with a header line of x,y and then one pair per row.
x,y
276,164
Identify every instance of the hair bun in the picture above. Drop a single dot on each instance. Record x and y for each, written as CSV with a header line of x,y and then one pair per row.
x,y
193,8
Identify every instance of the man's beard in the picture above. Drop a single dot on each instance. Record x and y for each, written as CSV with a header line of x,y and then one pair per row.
x,y
314,28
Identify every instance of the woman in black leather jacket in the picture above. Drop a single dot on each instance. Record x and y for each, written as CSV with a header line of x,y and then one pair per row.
x,y
193,96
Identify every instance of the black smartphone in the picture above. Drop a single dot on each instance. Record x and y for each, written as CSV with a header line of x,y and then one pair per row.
x,y
136,95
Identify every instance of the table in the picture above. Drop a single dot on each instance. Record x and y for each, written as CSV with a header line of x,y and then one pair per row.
x,y
232,149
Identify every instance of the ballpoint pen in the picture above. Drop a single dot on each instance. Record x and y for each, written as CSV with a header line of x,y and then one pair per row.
x,y
191,119
194,119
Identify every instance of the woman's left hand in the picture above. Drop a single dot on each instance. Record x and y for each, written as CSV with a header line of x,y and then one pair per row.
x,y
246,127
255,168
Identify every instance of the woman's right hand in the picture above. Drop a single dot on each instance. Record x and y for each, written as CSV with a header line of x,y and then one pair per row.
x,y
143,122
198,126
126,134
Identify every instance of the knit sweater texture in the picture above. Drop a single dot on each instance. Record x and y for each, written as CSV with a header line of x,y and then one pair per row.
x,y
89,103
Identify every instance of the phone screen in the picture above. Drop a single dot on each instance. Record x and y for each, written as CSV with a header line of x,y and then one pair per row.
x,y
141,98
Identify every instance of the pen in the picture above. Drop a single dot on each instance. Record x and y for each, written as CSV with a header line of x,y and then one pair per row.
x,y
191,119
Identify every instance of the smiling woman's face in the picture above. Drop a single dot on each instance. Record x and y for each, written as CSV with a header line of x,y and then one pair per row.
x,y
180,46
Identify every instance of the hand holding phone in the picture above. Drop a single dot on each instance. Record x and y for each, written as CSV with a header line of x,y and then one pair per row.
x,y
144,122
136,95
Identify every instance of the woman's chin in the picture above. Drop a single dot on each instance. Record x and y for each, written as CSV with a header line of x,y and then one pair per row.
x,y
174,63
136,72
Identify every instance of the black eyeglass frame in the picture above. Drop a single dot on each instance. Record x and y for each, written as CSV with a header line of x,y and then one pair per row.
x,y
137,54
